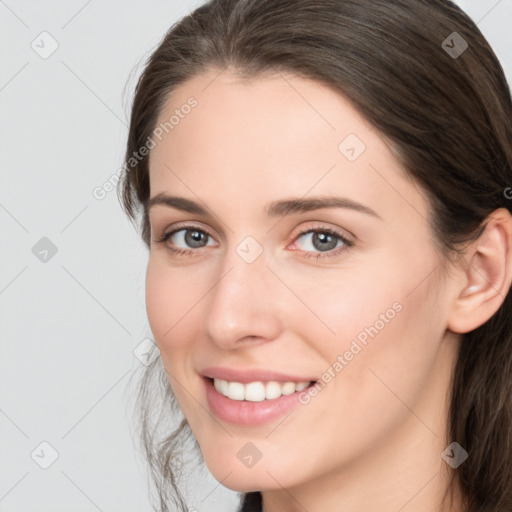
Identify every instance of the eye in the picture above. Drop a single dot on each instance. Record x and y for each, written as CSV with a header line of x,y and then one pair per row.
x,y
185,240
326,241
321,242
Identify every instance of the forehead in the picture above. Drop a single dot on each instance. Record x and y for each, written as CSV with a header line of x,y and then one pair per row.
x,y
261,105
275,134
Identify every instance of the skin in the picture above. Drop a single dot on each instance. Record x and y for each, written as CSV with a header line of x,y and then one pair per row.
x,y
372,438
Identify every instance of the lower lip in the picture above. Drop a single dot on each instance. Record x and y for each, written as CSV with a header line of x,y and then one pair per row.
x,y
245,412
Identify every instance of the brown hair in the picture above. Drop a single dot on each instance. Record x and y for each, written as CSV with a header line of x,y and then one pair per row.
x,y
447,116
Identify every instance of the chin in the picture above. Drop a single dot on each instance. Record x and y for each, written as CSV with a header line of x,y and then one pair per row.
x,y
237,477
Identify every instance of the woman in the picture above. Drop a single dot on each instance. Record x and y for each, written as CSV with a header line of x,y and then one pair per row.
x,y
323,187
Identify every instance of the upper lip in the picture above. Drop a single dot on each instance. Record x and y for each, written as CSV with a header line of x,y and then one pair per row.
x,y
251,375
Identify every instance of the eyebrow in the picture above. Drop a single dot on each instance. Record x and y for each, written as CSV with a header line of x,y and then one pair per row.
x,y
279,208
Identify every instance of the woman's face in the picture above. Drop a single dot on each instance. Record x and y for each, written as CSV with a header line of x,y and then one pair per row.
x,y
350,293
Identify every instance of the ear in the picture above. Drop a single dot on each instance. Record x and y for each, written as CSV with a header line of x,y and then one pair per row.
x,y
487,274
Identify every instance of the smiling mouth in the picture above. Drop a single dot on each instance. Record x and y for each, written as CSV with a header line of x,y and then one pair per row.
x,y
258,391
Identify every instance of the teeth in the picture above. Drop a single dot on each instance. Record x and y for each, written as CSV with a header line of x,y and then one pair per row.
x,y
257,391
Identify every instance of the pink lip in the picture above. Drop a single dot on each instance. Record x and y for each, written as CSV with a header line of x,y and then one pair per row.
x,y
244,412
251,375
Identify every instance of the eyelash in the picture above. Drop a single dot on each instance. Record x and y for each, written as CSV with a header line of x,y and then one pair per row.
x,y
307,254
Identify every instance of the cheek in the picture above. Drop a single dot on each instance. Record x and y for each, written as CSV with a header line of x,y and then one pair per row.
x,y
390,292
392,372
385,323
160,301
172,306
390,343
173,295
338,305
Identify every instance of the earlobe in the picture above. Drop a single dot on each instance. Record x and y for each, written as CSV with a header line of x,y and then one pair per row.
x,y
487,274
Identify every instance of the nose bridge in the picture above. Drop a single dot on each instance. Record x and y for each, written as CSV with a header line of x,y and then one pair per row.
x,y
242,302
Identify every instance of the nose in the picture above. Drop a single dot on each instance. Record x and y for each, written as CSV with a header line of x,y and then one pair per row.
x,y
243,306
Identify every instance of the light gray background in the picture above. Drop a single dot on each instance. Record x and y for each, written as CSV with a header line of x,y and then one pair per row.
x,y
69,325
